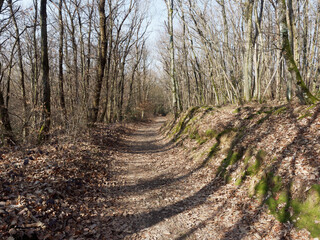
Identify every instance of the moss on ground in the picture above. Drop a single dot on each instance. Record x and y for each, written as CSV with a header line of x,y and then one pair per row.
x,y
215,148
278,205
304,214
182,124
308,114
231,159
210,133
280,110
261,188
237,110
255,167
269,188
251,169
307,213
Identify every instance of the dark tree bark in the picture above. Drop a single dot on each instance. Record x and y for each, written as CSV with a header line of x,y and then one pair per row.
x,y
46,110
61,87
5,120
88,60
102,62
35,66
1,4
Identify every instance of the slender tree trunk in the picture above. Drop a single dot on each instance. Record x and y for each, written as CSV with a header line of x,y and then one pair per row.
x,y
21,68
247,65
61,86
304,94
88,67
293,41
226,51
305,64
44,131
9,76
108,64
185,54
139,54
121,94
316,38
172,65
4,115
102,63
35,66
82,54
1,4
75,63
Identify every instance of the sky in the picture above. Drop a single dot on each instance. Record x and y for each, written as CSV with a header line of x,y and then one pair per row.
x,y
157,14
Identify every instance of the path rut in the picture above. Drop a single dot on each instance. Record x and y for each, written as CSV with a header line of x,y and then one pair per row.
x,y
159,192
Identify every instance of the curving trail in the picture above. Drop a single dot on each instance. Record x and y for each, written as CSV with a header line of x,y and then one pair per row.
x,y
158,192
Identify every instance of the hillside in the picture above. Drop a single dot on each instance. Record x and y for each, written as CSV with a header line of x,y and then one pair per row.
x,y
249,172
269,159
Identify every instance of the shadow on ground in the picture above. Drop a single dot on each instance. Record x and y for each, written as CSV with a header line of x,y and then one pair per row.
x,y
138,222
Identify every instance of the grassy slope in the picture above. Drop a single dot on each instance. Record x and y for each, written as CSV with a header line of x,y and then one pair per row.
x,y
272,151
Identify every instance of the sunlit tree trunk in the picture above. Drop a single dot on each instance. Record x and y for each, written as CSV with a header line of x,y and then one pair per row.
x,y
172,66
247,63
304,94
258,56
305,64
185,53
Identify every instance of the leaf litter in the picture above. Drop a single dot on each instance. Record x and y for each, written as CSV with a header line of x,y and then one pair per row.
x,y
135,183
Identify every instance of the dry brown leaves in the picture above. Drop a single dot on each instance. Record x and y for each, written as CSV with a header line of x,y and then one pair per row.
x,y
57,191
146,187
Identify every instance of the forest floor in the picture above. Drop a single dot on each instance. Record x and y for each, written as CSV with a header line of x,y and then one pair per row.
x,y
129,182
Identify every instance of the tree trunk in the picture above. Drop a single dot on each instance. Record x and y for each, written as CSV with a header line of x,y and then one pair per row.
x,y
35,67
304,94
185,54
23,89
108,63
172,66
46,110
88,60
305,64
61,87
4,116
1,4
247,63
102,63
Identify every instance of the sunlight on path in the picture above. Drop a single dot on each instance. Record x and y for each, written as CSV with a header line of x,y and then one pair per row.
x,y
152,198
159,193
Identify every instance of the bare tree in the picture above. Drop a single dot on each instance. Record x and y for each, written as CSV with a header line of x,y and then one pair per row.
x,y
44,131
175,96
61,84
102,62
304,94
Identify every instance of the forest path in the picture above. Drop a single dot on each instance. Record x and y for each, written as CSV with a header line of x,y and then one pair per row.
x,y
160,189
159,193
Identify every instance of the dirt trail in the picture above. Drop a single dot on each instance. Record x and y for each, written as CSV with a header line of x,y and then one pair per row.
x,y
159,193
